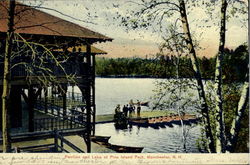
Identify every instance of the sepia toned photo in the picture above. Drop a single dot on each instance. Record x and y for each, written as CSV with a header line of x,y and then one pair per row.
x,y
129,81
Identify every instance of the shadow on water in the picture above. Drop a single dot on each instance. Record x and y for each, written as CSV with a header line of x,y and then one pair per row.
x,y
154,140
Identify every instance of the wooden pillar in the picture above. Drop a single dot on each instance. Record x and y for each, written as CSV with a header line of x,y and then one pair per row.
x,y
16,107
31,101
88,100
93,94
56,140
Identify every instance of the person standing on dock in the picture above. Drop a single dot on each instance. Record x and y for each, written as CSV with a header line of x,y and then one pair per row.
x,y
130,109
138,108
133,110
117,109
125,110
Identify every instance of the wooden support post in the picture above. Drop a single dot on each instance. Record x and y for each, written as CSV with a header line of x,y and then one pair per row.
x,y
52,123
93,95
88,100
16,106
31,100
61,144
88,57
64,95
56,140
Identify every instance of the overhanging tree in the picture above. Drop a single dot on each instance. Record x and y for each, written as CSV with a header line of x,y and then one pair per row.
x,y
34,57
158,14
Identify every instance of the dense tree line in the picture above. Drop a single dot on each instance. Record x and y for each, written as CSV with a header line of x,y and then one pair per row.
x,y
161,66
164,66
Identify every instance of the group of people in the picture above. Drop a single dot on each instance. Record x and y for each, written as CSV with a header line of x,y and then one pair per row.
x,y
129,109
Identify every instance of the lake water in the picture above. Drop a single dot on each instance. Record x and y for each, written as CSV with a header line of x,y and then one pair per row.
x,y
162,140
113,91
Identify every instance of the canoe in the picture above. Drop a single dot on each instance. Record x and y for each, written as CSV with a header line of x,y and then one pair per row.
x,y
100,139
125,149
103,140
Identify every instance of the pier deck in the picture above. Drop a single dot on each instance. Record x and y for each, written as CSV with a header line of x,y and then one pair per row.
x,y
106,118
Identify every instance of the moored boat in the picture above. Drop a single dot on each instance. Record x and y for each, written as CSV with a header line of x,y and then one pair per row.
x,y
100,139
103,140
125,149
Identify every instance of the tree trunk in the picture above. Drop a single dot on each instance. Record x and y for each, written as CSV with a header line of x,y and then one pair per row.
x,y
196,69
6,80
242,105
220,127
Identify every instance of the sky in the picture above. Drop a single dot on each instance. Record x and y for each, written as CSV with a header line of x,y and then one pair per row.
x,y
98,15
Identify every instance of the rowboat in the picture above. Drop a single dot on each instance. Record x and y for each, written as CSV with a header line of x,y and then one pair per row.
x,y
103,140
125,149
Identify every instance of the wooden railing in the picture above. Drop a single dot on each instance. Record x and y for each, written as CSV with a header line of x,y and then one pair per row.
x,y
74,116
63,123
58,146
54,106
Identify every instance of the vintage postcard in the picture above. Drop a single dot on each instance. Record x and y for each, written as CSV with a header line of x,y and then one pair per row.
x,y
124,82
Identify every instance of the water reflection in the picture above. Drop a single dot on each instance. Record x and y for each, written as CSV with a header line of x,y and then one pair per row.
x,y
113,91
161,140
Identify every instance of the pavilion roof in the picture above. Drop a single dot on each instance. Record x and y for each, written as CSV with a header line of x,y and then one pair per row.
x,y
29,20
